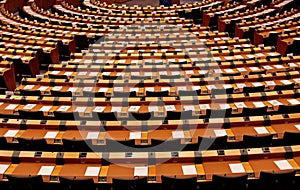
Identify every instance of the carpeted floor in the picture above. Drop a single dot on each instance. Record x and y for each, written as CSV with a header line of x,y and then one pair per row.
x,y
151,2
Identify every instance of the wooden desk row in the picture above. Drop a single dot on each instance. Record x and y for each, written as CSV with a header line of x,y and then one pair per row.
x,y
31,10
150,71
105,173
269,66
136,125
167,82
146,8
142,138
243,28
262,35
210,17
224,24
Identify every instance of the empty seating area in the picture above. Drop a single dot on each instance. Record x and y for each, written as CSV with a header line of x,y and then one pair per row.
x,y
201,95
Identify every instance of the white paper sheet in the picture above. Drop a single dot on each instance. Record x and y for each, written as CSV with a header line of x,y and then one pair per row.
x,y
141,171
11,107
165,88
3,168
275,102
87,89
116,109
51,135
82,73
68,73
135,135
220,132
54,72
204,106
258,104
224,106
11,133
261,130
106,73
241,69
29,106
43,88
134,108
72,89
210,87
283,165
170,108
189,72
270,83
257,84
45,108
237,168
63,108
297,126
150,89
189,170
293,101
134,89
241,85
118,89
93,74
153,108
92,135
286,82
28,87
188,108
99,109
177,134
102,89
46,170
57,88
80,109
92,171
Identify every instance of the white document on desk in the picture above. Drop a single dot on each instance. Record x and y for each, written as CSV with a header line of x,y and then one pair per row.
x,y
177,134
80,109
237,168
63,108
103,90
46,170
134,108
189,170
170,108
261,130
45,108
116,109
135,135
220,132
152,108
43,88
293,101
11,107
92,171
297,126
189,108
275,102
28,87
258,104
51,135
92,135
3,168
141,171
29,106
283,165
11,133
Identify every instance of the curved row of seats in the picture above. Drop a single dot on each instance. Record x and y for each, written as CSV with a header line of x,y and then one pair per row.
x,y
134,96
